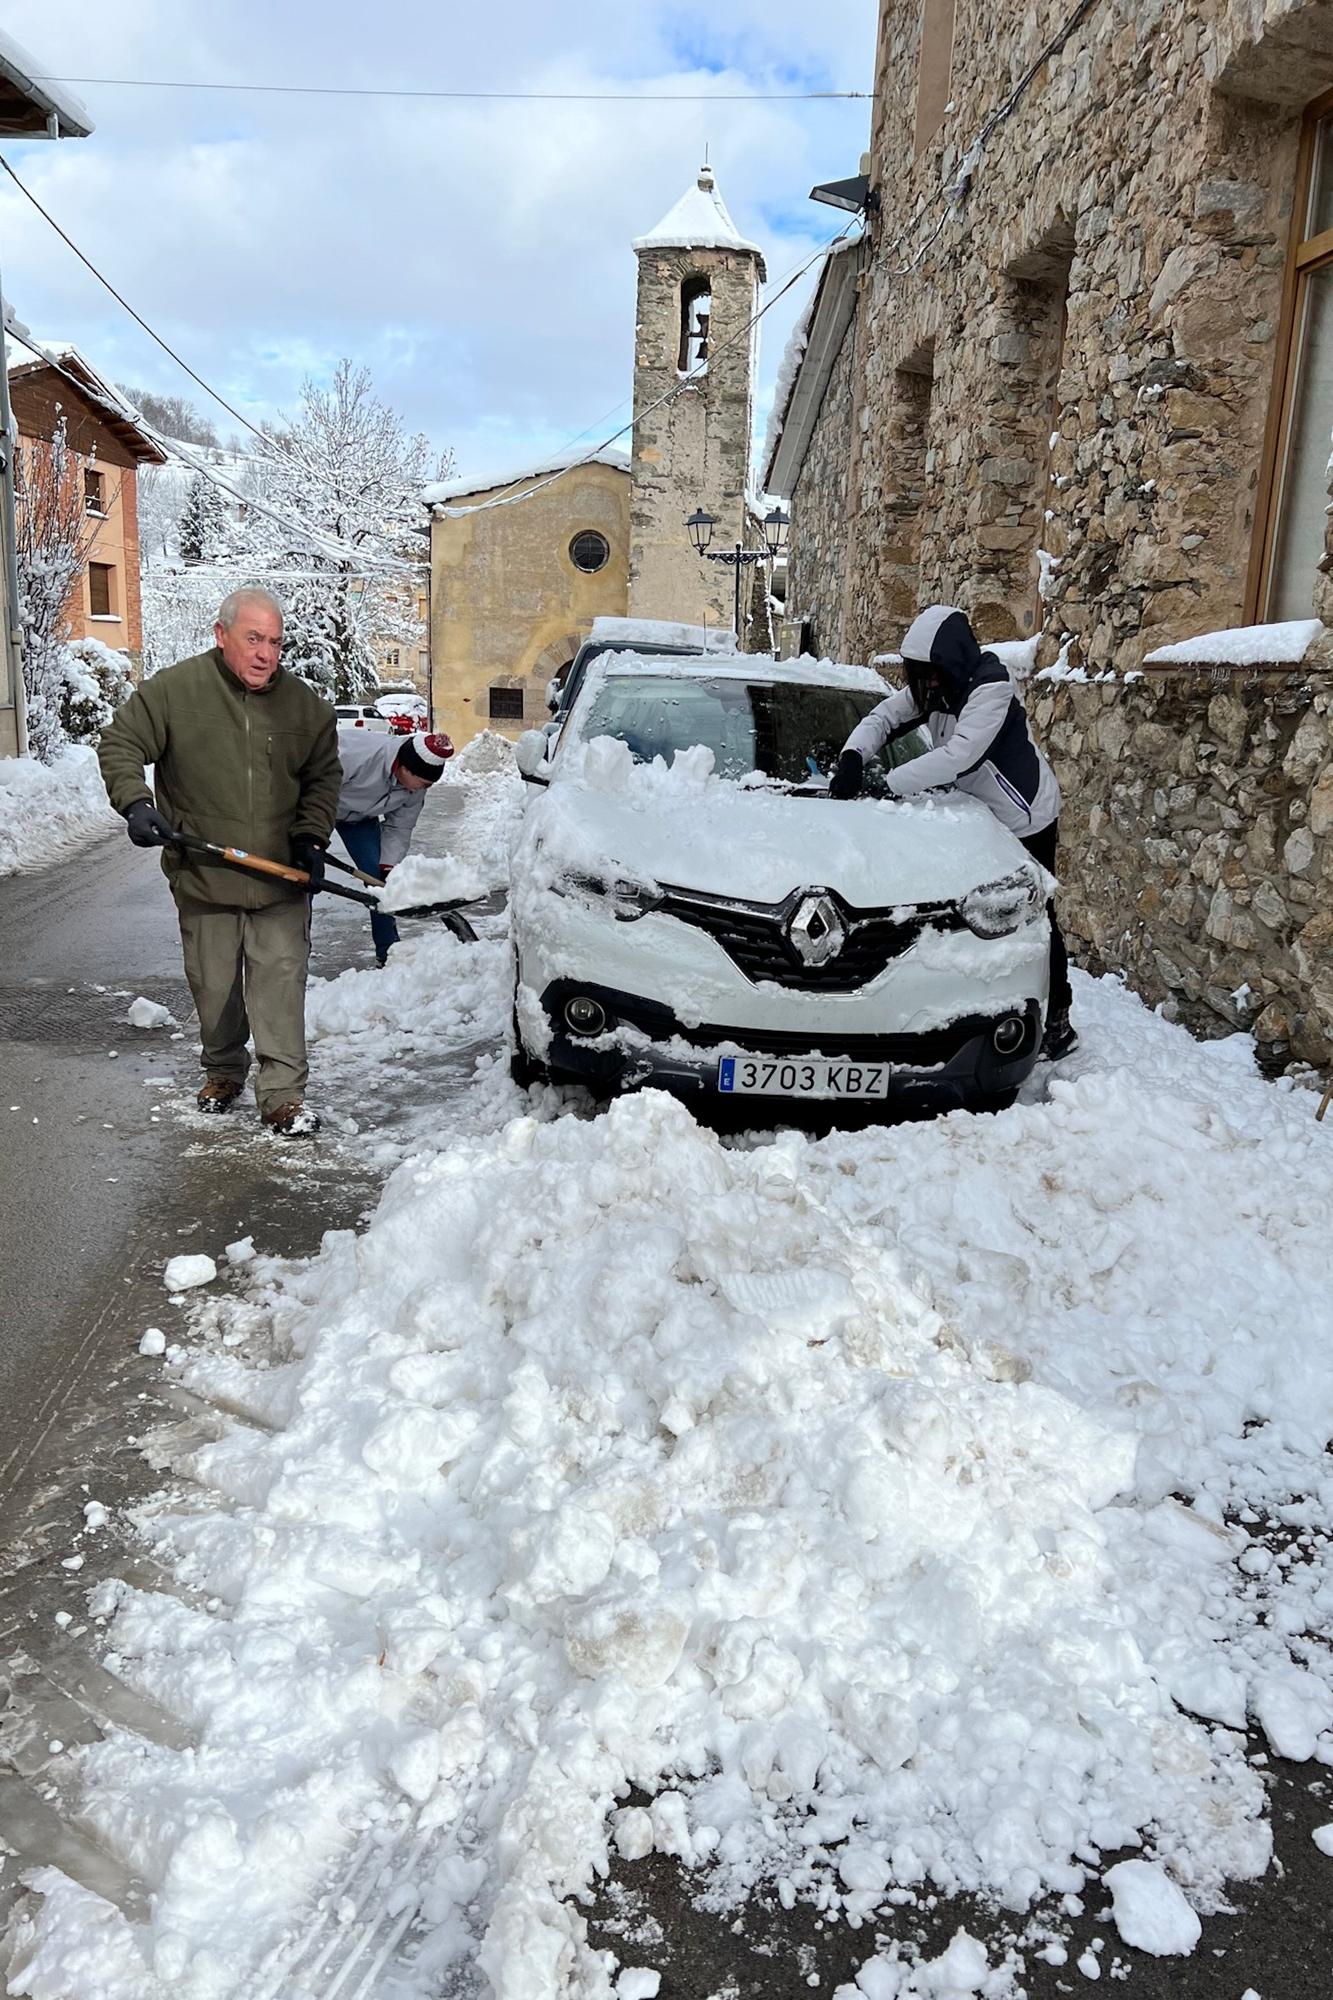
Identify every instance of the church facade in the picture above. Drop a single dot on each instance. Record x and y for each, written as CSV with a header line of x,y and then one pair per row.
x,y
523,561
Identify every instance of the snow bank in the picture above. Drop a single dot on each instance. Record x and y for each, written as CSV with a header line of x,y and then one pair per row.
x,y
873,1503
1284,644
49,810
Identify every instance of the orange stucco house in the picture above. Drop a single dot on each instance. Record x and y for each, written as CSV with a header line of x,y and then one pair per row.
x,y
101,429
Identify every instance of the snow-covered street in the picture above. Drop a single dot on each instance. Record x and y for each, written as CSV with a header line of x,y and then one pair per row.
x,y
901,1513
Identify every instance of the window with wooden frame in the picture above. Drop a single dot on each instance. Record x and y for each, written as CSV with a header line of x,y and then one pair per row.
x,y
101,590
1293,492
94,491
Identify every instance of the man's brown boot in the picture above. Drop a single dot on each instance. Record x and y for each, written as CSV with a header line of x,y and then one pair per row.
x,y
291,1121
218,1094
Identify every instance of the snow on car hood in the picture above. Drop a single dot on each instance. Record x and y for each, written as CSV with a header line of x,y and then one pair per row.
x,y
686,827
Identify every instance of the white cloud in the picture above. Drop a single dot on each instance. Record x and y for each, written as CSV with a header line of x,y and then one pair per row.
x,y
474,254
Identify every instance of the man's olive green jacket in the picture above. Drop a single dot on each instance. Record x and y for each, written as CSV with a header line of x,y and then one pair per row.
x,y
253,770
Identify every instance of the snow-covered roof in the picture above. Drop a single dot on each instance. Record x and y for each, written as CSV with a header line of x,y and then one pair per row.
x,y
442,491
699,221
30,102
662,632
120,414
807,363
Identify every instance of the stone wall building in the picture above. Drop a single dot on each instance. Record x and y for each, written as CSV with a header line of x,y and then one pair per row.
x,y
515,587
694,350
1083,387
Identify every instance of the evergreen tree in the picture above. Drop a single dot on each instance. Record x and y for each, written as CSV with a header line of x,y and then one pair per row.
x,y
202,534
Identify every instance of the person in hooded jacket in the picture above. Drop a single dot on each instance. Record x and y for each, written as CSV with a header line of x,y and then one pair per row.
x,y
384,785
982,745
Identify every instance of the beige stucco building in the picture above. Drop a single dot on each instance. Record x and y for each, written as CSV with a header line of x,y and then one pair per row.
x,y
515,588
522,564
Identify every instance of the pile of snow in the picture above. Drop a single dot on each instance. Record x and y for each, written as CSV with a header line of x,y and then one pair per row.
x,y
485,756
146,1013
1283,644
424,878
49,810
431,986
879,1505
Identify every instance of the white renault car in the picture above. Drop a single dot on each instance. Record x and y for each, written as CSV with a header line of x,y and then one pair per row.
x,y
691,909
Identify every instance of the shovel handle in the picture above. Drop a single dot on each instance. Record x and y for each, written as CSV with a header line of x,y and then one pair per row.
x,y
258,864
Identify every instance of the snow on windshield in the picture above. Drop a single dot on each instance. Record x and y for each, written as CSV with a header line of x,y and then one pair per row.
x,y
781,730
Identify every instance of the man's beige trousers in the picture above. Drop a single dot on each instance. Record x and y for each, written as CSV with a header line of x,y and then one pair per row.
x,y
247,972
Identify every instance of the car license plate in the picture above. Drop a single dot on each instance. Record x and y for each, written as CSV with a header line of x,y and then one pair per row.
x,y
813,1076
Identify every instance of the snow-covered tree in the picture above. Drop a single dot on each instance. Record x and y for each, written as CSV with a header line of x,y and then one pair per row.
x,y
54,533
202,534
95,679
344,468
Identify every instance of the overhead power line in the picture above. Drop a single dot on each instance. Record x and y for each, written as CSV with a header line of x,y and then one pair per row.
x,y
470,96
331,546
138,318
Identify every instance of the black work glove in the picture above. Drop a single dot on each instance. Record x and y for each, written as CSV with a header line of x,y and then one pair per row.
x,y
386,869
146,826
308,853
846,780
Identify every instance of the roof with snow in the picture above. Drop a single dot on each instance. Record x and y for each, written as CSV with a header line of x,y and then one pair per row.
x,y
32,106
443,491
699,221
102,397
807,363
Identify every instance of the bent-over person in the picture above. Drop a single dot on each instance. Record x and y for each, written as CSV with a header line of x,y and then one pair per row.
x,y
244,755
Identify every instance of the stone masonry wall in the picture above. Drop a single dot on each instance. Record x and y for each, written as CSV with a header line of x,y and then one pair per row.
x,y
1097,320
817,553
691,449
1197,846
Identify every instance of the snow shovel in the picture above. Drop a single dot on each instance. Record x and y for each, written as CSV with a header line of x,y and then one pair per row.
x,y
449,914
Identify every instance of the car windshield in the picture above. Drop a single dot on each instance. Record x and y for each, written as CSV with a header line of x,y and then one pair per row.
x,y
788,731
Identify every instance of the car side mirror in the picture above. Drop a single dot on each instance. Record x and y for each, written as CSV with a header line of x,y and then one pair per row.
x,y
530,754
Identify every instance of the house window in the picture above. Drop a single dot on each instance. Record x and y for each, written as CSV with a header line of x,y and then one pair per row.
x,y
391,657
589,551
934,68
423,660
94,491
696,310
506,704
101,598
1294,503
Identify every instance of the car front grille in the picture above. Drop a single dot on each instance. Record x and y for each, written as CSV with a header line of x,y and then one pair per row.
x,y
930,1049
756,937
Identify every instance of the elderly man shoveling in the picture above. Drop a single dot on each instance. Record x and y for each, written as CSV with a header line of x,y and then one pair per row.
x,y
244,756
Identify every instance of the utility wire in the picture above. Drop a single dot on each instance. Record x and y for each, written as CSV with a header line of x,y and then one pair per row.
x,y
136,317
444,511
472,96
327,545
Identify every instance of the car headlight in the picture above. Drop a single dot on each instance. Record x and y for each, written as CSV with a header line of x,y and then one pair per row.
x,y
628,900
997,909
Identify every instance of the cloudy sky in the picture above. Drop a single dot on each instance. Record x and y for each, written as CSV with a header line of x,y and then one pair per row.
x,y
475,255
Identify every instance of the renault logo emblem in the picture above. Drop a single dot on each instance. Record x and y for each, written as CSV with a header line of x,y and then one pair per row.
x,y
816,930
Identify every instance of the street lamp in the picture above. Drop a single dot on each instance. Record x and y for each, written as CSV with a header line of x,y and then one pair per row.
x,y
701,526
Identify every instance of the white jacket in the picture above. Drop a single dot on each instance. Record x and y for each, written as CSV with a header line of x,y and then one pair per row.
x,y
370,790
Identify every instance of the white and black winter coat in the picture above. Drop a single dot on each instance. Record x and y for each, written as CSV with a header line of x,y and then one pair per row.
x,y
370,790
976,723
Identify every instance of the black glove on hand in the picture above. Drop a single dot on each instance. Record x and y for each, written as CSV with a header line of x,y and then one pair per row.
x,y
846,780
308,853
146,826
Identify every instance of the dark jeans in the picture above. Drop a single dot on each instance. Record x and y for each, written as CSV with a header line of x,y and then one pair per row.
x,y
1041,846
361,838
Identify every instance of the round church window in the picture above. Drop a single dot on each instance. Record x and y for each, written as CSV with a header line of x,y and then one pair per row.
x,y
589,551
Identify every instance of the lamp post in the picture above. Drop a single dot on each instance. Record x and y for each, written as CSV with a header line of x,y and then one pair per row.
x,y
701,526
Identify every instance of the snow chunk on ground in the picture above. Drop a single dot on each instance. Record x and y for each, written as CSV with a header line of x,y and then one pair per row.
x,y
240,1252
1283,644
1151,1912
182,1274
1323,1838
145,1013
154,1341
49,810
637,1982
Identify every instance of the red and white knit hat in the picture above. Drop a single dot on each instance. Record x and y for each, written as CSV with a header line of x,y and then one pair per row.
x,y
425,755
